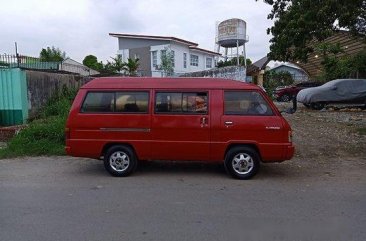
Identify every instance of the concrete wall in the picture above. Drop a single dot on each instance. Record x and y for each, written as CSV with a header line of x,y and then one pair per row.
x,y
13,97
232,72
42,85
144,56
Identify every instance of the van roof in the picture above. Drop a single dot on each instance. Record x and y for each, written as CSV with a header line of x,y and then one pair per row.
x,y
165,83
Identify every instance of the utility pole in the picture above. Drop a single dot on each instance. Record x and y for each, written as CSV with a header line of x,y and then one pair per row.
x,y
16,54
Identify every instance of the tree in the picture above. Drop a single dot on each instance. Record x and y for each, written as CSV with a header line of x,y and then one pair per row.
x,y
274,79
131,66
52,54
117,64
298,22
91,61
342,67
167,62
233,61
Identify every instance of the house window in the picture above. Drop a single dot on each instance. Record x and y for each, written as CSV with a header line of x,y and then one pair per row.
x,y
154,55
209,63
173,57
194,60
185,60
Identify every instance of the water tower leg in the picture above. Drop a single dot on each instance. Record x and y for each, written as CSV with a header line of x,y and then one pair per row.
x,y
226,54
237,53
245,56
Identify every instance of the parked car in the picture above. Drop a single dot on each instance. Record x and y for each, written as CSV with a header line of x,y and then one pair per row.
x,y
347,91
286,93
124,120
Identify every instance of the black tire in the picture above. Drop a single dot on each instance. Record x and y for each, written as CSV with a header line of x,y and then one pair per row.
x,y
317,106
285,98
307,105
120,161
242,170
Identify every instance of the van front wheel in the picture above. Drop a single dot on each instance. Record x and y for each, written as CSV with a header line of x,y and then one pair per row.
x,y
120,161
242,162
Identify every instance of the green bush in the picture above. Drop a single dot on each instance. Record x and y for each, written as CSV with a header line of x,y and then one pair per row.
x,y
274,79
45,134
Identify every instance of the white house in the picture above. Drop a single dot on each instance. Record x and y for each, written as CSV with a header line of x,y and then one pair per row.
x,y
187,57
72,66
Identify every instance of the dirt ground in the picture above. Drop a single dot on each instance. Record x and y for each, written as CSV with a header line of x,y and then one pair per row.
x,y
330,138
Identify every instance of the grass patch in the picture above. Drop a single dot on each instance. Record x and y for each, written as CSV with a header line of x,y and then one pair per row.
x,y
44,135
361,131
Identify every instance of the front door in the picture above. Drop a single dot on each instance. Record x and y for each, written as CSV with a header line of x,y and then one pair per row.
x,y
248,118
180,126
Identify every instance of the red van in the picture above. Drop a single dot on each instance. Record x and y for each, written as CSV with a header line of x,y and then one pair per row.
x,y
124,120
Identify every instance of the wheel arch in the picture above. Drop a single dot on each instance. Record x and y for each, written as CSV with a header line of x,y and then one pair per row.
x,y
110,144
251,145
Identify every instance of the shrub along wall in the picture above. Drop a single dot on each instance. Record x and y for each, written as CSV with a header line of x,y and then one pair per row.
x,y
41,86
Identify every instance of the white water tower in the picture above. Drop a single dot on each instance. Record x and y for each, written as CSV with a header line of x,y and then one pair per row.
x,y
231,36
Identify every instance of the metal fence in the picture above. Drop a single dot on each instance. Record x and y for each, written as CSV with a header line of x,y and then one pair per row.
x,y
8,61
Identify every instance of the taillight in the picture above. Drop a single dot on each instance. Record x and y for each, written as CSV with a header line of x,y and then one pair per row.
x,y
289,136
67,133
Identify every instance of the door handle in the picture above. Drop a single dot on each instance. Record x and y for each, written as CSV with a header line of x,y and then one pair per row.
x,y
228,123
204,121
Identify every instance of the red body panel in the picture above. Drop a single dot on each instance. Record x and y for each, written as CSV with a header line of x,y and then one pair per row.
x,y
167,136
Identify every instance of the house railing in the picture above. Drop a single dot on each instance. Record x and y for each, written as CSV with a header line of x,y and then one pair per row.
x,y
8,61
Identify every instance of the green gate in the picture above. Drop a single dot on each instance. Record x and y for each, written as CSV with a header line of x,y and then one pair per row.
x,y
13,97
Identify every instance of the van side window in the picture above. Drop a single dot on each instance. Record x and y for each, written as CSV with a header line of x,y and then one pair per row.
x,y
132,102
186,102
246,103
116,102
98,102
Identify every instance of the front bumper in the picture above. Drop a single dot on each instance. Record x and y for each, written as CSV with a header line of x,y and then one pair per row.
x,y
289,152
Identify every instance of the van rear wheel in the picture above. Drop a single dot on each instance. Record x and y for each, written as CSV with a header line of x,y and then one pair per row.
x,y
120,161
242,162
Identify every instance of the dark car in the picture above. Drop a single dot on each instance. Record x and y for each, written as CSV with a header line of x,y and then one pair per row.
x,y
340,91
286,93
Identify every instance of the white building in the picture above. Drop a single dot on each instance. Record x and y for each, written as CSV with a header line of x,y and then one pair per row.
x,y
187,57
72,66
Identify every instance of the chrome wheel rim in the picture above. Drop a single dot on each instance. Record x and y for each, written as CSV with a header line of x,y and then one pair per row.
x,y
119,161
242,163
285,98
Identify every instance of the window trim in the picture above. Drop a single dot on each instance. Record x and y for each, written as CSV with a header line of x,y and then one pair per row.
x,y
152,58
241,114
181,113
191,62
114,112
209,67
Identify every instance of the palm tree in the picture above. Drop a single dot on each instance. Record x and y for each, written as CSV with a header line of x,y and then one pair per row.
x,y
117,64
131,66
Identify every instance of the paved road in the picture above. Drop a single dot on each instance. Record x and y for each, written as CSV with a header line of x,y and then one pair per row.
x,y
63,198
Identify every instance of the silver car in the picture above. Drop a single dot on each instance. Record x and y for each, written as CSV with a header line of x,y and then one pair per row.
x,y
347,91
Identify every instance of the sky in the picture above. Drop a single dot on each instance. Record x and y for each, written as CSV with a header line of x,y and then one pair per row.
x,y
82,27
